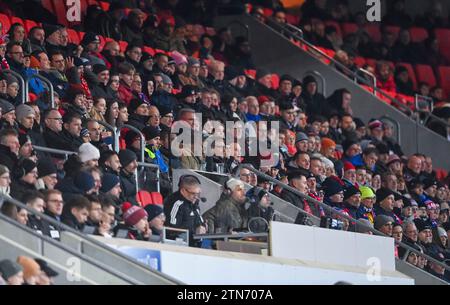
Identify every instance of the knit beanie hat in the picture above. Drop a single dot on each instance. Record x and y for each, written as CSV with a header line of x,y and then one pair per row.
x,y
133,215
24,167
383,193
3,169
84,181
327,143
260,73
46,167
166,79
151,132
331,186
11,79
153,210
23,111
348,166
134,104
6,106
363,228
88,152
381,220
366,192
30,267
126,156
309,79
9,268
99,68
350,191
109,181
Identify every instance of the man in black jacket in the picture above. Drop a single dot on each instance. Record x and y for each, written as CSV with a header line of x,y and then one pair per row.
x,y
128,160
76,212
35,200
69,138
182,207
9,148
25,176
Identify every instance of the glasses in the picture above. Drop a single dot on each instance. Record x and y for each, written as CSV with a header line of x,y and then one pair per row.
x,y
193,193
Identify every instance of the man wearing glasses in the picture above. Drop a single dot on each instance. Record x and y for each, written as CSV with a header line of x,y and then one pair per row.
x,y
182,207
15,57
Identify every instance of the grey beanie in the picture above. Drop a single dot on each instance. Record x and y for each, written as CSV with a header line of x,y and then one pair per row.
x,y
22,111
9,268
166,79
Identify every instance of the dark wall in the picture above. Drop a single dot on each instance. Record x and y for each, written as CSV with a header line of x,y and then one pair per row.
x,y
276,53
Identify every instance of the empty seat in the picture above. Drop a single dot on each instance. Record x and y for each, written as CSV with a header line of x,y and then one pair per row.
x,y
444,79
411,73
443,35
349,28
268,12
73,36
418,34
424,73
374,32
145,198
6,24
149,50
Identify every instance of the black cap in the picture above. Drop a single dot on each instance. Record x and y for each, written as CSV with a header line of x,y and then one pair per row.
x,y
421,225
151,132
90,37
46,268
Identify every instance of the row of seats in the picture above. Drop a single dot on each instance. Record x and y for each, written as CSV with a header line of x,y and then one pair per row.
x,y
417,73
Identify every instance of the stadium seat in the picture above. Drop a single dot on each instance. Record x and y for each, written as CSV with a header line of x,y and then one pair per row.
x,y
418,34
393,29
104,5
145,198
123,46
81,35
374,32
349,28
292,19
268,12
371,62
443,35
424,73
149,50
17,20
29,24
275,81
359,61
6,24
73,36
411,73
251,73
444,79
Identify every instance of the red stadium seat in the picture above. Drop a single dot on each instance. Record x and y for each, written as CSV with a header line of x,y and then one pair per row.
x,y
374,32
275,81
418,34
425,73
349,28
104,5
73,36
359,61
81,35
443,35
411,73
145,198
393,29
6,24
123,46
371,62
17,20
102,42
444,79
93,2
29,24
268,12
149,50
251,73
292,19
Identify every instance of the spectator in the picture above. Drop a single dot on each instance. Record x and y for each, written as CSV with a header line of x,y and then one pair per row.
x,y
385,204
384,224
25,177
47,273
12,272
156,219
128,160
35,201
89,155
31,270
316,103
403,82
385,78
76,212
365,209
9,148
352,201
109,162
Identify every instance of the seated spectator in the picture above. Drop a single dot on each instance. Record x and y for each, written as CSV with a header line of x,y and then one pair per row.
x,y
31,270
25,177
69,138
260,205
229,213
156,219
384,224
95,212
35,201
81,183
76,212
385,204
385,77
135,223
403,82
316,103
11,272
109,162
365,209
128,160
89,155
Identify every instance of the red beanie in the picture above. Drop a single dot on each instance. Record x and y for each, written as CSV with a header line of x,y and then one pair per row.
x,y
263,99
133,215
348,166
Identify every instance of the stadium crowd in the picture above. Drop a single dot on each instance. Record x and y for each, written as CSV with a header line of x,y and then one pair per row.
x,y
193,79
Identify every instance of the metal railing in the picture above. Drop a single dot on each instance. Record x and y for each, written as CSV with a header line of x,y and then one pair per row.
x,y
55,151
153,166
64,227
22,84
47,82
238,235
113,131
142,155
342,215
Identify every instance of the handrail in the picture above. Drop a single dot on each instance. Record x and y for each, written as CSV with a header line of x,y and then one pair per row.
x,y
322,78
417,99
54,151
154,166
374,79
63,247
141,136
22,84
113,130
333,211
49,84
65,227
387,118
227,236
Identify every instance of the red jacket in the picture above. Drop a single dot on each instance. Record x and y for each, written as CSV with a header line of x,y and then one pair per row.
x,y
388,85
125,93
